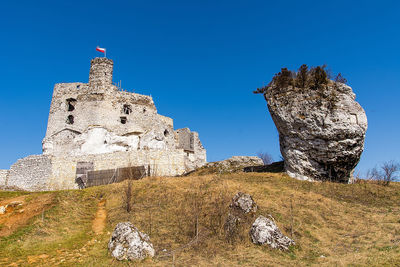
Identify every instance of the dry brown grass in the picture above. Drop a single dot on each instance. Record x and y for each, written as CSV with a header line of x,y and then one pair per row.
x,y
332,224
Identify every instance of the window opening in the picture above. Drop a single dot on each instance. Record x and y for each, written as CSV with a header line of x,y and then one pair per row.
x,y
123,120
71,102
127,109
70,119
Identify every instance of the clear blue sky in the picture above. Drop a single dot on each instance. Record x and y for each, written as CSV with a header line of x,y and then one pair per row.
x,y
200,60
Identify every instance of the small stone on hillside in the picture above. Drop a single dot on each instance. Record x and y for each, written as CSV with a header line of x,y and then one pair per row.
x,y
243,202
128,243
265,231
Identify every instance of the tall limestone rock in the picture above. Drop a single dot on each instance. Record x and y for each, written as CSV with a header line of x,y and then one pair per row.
x,y
321,126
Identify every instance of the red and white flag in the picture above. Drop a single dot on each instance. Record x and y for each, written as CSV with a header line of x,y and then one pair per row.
x,y
102,50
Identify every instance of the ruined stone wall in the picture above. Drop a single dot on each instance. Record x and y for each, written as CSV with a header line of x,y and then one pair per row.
x,y
195,154
46,172
185,139
97,118
167,120
124,117
31,173
160,163
3,177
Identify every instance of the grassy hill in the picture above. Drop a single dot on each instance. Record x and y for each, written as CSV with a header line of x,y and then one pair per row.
x,y
332,224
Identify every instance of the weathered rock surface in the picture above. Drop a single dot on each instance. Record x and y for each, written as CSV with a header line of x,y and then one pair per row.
x,y
243,202
128,243
234,163
241,211
321,131
265,231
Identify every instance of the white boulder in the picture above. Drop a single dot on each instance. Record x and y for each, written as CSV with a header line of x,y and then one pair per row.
x,y
128,243
265,231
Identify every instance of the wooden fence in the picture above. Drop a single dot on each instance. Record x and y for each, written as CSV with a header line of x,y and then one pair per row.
x,y
102,177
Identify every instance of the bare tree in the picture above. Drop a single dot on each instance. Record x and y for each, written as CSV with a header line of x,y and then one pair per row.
x,y
389,171
386,174
266,158
128,195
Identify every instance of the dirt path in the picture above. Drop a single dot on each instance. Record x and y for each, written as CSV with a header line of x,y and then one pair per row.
x,y
76,255
99,222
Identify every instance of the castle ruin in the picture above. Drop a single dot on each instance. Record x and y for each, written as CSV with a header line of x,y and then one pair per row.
x,y
99,126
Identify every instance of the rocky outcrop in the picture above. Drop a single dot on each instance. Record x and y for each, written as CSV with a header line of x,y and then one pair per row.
x,y
321,130
241,211
128,243
3,177
235,163
265,231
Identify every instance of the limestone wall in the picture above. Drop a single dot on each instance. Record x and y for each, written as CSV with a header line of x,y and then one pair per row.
x,y
31,173
121,115
41,172
3,177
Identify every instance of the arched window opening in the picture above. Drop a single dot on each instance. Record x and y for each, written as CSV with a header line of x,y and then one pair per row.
x,y
123,120
71,102
166,133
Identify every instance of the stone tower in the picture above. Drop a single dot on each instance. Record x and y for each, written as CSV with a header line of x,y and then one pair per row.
x,y
101,73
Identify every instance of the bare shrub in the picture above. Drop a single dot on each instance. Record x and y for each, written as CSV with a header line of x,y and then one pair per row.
x,y
318,77
340,79
315,78
284,78
302,76
266,157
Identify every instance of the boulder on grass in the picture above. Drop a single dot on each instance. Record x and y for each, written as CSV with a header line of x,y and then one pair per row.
x,y
128,243
243,202
265,231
